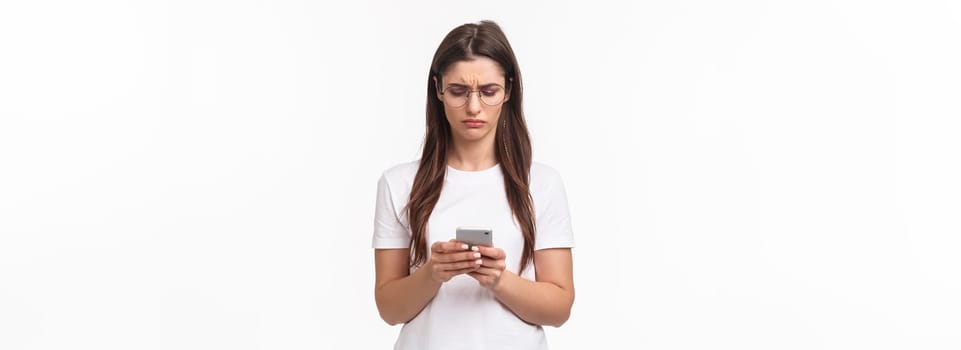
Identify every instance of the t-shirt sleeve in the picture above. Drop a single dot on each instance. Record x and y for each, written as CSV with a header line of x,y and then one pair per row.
x,y
389,232
553,218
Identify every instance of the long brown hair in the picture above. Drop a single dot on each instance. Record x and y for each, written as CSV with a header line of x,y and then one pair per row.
x,y
512,145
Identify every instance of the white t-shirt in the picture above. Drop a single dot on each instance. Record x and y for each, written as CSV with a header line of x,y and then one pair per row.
x,y
463,314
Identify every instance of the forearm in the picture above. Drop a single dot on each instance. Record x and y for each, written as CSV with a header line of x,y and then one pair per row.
x,y
400,300
539,303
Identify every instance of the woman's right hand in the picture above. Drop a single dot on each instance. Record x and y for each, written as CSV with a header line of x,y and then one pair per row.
x,y
451,258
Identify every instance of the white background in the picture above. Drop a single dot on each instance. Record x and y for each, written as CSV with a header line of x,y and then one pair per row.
x,y
741,174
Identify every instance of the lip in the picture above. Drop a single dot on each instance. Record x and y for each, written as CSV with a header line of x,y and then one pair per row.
x,y
474,123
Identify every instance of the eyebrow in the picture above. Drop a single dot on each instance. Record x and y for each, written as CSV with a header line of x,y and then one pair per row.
x,y
482,86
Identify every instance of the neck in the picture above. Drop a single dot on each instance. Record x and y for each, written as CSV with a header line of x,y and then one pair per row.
x,y
472,155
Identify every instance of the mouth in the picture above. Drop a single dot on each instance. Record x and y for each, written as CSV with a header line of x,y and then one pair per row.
x,y
474,123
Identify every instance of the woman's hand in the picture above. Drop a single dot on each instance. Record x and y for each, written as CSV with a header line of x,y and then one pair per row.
x,y
449,259
490,271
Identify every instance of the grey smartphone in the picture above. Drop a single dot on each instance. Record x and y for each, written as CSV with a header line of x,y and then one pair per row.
x,y
473,235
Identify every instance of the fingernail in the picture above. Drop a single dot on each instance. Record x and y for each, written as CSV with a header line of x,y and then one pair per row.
x,y
476,255
463,246
478,261
474,248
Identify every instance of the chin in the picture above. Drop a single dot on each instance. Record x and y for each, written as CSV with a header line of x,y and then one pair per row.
x,y
474,134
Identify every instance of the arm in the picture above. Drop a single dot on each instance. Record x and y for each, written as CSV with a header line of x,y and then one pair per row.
x,y
546,301
400,295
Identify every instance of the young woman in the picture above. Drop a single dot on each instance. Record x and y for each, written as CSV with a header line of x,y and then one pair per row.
x,y
476,170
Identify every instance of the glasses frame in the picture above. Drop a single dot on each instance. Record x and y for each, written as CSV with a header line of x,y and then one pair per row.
x,y
471,92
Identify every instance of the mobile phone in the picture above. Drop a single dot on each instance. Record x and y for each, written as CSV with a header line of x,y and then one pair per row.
x,y
473,235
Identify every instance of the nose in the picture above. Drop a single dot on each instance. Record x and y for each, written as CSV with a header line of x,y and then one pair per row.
x,y
474,103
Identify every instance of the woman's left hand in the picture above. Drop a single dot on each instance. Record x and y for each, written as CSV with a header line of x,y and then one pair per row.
x,y
492,267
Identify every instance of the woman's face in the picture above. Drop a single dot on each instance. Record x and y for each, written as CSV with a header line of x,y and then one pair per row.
x,y
473,93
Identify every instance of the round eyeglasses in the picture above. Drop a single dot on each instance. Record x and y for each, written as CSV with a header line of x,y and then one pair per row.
x,y
456,95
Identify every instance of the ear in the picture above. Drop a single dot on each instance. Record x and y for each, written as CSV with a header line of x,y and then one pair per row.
x,y
507,94
437,89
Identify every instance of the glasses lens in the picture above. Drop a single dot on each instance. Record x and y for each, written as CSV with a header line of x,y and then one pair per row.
x,y
492,95
458,96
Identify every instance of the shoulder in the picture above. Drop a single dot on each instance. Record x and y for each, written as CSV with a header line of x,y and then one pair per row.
x,y
544,177
399,178
547,192
544,172
401,171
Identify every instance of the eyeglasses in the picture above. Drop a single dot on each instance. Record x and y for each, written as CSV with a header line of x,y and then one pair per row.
x,y
456,96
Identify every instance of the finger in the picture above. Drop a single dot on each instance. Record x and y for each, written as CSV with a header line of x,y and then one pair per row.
x,y
492,252
459,265
499,264
464,244
455,257
458,272
487,271
449,246
482,278
447,275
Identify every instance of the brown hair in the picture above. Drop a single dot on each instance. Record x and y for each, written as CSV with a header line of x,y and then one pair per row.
x,y
512,147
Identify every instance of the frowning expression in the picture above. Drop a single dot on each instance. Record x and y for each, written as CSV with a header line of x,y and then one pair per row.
x,y
473,93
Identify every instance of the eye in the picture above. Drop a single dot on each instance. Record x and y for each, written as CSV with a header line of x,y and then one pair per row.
x,y
457,91
490,92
